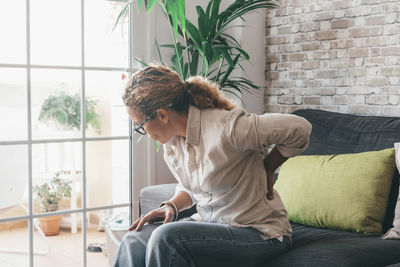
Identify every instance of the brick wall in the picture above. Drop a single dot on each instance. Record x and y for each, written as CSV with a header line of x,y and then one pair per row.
x,y
339,56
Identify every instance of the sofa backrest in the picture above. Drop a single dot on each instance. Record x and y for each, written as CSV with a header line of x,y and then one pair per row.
x,y
337,133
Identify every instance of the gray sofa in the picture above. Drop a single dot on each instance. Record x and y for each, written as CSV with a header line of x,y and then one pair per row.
x,y
333,133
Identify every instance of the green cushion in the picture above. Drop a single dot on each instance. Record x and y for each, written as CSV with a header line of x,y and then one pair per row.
x,y
344,192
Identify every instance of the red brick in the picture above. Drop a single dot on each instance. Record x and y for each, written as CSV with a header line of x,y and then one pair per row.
x,y
376,61
311,100
272,40
375,20
286,100
341,23
326,35
272,58
297,74
339,4
285,65
326,74
360,32
285,29
308,27
325,54
287,48
302,37
272,75
311,46
309,65
356,72
391,51
358,52
296,57
311,83
338,44
285,84
328,15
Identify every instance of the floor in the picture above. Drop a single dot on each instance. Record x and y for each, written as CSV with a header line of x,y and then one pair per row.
x,y
66,249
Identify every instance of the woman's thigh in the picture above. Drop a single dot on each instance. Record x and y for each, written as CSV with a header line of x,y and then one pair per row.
x,y
203,244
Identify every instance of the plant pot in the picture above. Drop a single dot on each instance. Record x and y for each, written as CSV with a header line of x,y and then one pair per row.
x,y
50,225
49,207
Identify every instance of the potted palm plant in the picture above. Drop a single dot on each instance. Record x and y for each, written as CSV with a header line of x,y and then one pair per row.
x,y
206,49
65,110
49,194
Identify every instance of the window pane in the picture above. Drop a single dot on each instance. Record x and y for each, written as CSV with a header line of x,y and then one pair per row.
x,y
107,229
14,237
57,176
13,180
56,32
103,46
103,91
13,114
107,172
13,32
66,247
56,103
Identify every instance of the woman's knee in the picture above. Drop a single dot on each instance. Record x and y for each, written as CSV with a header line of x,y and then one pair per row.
x,y
166,233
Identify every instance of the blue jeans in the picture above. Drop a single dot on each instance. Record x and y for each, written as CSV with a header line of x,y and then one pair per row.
x,y
200,244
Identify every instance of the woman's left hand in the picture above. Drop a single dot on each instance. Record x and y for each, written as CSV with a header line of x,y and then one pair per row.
x,y
165,213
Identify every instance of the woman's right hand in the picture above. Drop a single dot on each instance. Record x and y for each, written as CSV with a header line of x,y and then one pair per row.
x,y
165,213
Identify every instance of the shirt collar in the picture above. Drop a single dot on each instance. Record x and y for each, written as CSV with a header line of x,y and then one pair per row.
x,y
193,126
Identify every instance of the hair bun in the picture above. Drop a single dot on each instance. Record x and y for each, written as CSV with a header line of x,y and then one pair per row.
x,y
185,87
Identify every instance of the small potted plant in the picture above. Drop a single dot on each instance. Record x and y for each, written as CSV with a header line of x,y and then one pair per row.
x,y
49,194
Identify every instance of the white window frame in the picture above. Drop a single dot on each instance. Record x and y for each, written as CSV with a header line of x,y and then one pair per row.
x,y
29,142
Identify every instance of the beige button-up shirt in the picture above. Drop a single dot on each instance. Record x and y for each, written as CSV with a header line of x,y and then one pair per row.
x,y
220,164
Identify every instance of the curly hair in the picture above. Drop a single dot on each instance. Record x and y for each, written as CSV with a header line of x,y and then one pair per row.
x,y
157,86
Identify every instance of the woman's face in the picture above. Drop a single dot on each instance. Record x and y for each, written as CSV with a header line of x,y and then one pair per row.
x,y
157,128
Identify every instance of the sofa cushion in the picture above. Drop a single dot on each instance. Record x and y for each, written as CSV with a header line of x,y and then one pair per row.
x,y
329,248
337,133
344,192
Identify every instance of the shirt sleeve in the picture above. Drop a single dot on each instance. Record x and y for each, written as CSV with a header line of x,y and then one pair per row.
x,y
289,133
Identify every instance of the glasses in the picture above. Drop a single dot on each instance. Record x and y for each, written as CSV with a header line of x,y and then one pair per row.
x,y
139,127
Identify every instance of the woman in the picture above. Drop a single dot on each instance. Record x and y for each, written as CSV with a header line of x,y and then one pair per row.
x,y
220,159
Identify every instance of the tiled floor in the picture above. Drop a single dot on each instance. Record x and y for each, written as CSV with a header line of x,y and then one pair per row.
x,y
66,249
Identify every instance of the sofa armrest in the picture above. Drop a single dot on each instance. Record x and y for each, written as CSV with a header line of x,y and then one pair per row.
x,y
151,197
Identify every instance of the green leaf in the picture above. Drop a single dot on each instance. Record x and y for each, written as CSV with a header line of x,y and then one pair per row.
x,y
194,34
144,64
139,4
202,22
122,13
157,146
194,63
181,7
149,5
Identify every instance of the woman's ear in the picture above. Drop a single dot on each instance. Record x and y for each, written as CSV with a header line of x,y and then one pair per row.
x,y
163,115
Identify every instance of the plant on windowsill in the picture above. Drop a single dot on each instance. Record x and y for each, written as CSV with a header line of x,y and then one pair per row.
x,y
49,194
65,110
